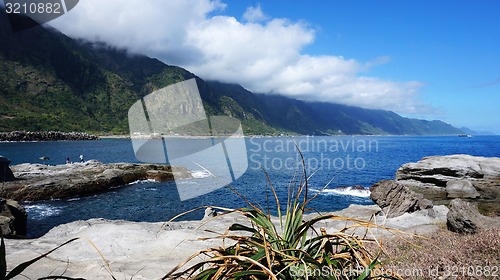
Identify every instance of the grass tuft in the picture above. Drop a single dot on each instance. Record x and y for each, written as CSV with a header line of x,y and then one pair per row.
x,y
295,249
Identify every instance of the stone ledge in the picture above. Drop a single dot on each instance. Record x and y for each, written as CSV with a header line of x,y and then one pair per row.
x,y
42,182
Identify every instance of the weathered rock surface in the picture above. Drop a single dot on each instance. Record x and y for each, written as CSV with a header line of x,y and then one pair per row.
x,y
45,136
460,181
13,218
464,217
443,178
40,182
461,189
149,250
395,199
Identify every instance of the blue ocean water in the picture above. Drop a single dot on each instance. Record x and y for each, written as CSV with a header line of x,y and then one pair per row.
x,y
342,161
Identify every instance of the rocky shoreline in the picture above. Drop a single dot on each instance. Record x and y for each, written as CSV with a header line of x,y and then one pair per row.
x,y
468,185
138,250
35,182
29,136
404,203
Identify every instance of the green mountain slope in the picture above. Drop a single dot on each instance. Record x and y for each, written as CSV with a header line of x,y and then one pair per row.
x,y
52,82
326,118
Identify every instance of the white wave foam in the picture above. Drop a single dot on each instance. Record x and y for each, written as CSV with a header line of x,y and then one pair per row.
x,y
199,174
40,211
347,191
143,181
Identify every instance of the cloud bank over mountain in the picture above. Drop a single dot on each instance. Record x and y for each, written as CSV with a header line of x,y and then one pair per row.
x,y
264,54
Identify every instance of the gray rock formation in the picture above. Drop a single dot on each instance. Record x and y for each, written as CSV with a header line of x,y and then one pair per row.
x,y
41,182
396,199
464,218
13,218
442,178
440,169
454,180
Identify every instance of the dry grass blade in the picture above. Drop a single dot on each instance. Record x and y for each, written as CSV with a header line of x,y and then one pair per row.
x,y
108,266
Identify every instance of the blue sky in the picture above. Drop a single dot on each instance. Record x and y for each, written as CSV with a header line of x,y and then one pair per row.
x,y
423,59
452,47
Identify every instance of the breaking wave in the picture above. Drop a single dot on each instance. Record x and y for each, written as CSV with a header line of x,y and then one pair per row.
x,y
143,181
351,191
41,211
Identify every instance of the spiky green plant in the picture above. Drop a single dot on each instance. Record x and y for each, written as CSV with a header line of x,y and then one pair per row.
x,y
297,250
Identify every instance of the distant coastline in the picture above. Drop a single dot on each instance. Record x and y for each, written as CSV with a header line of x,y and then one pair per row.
x,y
113,136
34,136
30,136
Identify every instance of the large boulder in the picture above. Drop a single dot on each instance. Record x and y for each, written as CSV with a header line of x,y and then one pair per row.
x,y
464,218
443,178
13,218
454,180
395,199
440,169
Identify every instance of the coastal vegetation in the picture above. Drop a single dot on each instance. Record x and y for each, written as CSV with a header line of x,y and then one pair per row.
x,y
294,248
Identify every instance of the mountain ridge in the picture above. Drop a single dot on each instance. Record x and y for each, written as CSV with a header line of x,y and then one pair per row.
x,y
51,81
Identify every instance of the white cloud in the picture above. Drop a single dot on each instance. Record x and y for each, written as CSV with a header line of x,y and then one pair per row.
x,y
263,54
254,14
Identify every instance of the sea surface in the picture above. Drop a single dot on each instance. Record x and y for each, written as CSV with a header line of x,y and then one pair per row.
x,y
330,161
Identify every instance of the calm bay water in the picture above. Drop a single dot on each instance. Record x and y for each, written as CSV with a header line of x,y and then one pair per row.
x,y
356,160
